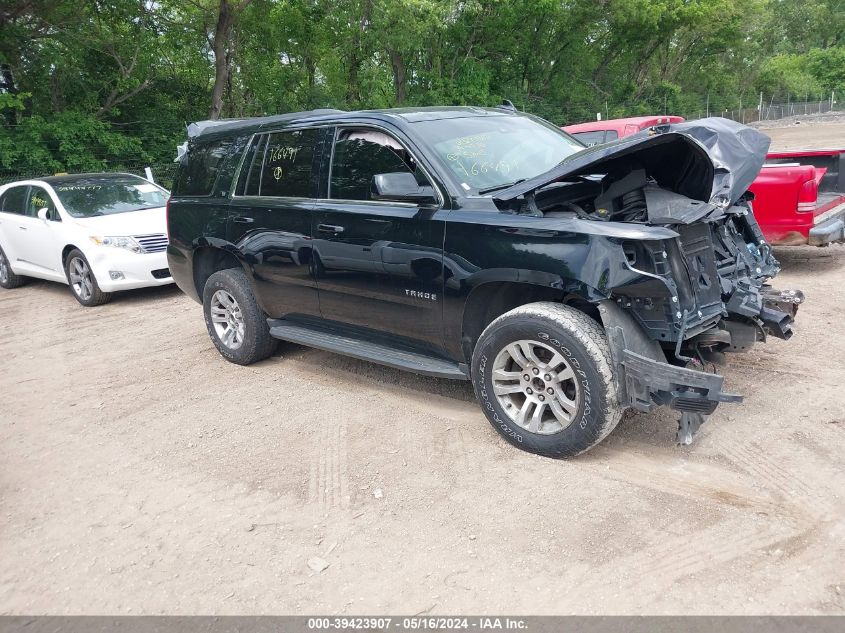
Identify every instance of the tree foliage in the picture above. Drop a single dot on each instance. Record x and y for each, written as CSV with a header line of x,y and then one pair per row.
x,y
95,84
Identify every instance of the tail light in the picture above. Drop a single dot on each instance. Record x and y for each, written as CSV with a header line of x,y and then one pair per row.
x,y
167,217
807,196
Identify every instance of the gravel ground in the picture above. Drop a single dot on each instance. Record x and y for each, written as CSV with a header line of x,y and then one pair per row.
x,y
141,473
825,131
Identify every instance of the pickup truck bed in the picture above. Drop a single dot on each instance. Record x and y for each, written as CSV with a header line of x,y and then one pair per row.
x,y
800,197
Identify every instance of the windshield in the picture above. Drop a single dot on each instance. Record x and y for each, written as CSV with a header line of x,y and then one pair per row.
x,y
491,152
107,195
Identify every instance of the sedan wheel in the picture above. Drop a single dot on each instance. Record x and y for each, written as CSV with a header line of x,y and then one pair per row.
x,y
4,269
80,279
8,279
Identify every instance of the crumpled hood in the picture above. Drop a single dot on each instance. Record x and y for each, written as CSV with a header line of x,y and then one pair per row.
x,y
737,151
701,159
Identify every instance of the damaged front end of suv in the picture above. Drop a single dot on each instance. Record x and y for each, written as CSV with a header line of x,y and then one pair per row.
x,y
691,284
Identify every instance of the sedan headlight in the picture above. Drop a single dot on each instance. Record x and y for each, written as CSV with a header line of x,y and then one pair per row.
x,y
126,242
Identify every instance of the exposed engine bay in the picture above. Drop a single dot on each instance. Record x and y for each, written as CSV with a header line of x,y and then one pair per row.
x,y
695,293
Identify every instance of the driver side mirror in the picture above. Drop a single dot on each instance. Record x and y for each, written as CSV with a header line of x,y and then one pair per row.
x,y
401,187
44,213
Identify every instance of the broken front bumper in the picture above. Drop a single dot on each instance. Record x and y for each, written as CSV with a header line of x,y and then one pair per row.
x,y
650,383
645,380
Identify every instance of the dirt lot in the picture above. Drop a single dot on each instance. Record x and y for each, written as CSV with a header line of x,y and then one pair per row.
x,y
140,473
827,131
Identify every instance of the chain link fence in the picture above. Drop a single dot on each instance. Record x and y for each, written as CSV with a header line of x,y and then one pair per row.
x,y
772,111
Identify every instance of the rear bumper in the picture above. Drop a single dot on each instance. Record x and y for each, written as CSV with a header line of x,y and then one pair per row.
x,y
829,227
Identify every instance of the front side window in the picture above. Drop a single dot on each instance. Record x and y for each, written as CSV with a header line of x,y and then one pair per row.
x,y
40,199
359,155
199,170
89,196
288,162
14,201
492,151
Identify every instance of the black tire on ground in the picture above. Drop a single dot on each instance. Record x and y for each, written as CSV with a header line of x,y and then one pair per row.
x,y
8,279
87,291
255,342
577,344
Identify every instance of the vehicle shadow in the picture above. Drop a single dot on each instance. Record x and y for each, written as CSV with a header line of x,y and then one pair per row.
x,y
343,368
810,259
142,295
139,295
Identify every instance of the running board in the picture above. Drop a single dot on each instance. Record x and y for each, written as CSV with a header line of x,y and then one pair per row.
x,y
349,345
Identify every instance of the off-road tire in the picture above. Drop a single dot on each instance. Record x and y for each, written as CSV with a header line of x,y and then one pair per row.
x,y
96,297
583,344
9,280
257,343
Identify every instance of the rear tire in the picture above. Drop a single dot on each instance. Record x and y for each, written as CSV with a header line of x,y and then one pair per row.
x,y
82,282
9,279
236,324
544,377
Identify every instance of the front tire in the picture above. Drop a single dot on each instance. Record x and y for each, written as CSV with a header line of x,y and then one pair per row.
x,y
544,377
9,279
82,282
236,324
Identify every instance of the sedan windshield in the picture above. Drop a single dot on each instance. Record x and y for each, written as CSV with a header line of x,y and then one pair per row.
x,y
91,196
491,152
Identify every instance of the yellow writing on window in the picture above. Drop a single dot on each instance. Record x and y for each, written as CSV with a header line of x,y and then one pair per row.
x,y
286,153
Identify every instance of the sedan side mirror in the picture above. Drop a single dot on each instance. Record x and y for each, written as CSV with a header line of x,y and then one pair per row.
x,y
44,213
401,186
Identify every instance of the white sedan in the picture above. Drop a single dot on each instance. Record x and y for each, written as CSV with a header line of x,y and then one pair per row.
x,y
98,233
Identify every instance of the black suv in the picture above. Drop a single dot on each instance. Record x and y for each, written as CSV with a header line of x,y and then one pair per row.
x,y
568,283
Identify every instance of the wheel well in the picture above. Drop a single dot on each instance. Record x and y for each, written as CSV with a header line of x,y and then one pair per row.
x,y
491,300
207,261
66,251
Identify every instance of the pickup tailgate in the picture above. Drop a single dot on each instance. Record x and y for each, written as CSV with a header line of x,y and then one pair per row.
x,y
800,197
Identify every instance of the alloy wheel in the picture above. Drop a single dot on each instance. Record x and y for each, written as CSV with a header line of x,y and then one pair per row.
x,y
536,387
80,278
228,320
4,268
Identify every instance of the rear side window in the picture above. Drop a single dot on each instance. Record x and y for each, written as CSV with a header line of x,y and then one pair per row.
x,y
197,175
288,162
14,201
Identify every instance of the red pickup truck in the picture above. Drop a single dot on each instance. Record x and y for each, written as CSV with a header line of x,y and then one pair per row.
x,y
799,195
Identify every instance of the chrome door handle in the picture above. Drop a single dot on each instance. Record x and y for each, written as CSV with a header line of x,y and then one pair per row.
x,y
330,228
22,228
